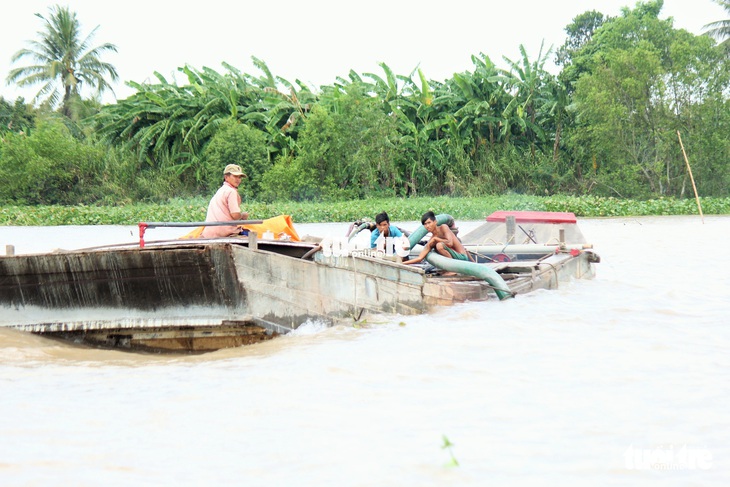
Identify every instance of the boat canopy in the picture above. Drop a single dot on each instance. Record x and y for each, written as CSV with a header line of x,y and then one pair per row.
x,y
533,216
531,227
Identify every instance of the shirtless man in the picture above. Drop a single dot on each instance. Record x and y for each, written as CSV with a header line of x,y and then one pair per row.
x,y
442,240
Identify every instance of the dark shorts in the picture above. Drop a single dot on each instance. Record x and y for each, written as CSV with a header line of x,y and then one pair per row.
x,y
456,255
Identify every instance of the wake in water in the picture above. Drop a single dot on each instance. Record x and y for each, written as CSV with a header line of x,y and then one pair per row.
x,y
310,327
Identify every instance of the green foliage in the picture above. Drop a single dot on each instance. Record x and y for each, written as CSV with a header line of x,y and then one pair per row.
x,y
18,117
720,29
235,143
49,166
448,446
350,149
290,180
124,181
399,209
606,126
64,62
611,207
157,124
169,126
642,81
176,210
580,32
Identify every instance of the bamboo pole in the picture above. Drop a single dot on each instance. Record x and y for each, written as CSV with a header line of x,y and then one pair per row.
x,y
689,169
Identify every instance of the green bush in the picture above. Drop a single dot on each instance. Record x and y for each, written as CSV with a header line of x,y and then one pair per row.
x,y
350,150
236,143
399,209
49,166
289,180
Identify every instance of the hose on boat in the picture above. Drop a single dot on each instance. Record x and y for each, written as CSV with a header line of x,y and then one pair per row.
x,y
312,251
462,267
442,219
357,227
481,271
354,230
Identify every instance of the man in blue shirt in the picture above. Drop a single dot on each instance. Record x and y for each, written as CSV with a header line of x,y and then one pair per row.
x,y
382,227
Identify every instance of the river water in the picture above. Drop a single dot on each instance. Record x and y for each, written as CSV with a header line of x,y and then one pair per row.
x,y
620,380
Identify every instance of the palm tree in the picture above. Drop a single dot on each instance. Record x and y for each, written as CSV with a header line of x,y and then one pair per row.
x,y
65,63
721,29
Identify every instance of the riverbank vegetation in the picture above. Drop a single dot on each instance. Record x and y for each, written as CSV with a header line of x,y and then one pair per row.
x,y
399,209
600,138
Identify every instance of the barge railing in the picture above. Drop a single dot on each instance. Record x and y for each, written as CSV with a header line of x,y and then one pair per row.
x,y
143,226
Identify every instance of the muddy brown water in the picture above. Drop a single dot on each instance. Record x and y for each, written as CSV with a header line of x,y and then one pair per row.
x,y
577,386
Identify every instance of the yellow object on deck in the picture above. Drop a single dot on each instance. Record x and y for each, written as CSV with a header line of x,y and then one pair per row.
x,y
196,233
277,225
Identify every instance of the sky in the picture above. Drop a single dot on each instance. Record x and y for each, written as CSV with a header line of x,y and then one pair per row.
x,y
316,41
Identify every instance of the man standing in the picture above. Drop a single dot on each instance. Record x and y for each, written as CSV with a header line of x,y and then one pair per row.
x,y
225,205
382,227
442,240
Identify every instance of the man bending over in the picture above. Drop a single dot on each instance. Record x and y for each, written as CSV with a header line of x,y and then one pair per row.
x,y
442,240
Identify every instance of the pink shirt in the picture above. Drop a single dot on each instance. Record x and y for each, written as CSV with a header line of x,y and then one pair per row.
x,y
224,202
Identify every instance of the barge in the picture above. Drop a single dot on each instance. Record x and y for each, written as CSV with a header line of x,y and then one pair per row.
x,y
198,295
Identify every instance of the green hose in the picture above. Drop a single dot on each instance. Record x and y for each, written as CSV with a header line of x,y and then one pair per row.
x,y
481,271
358,229
421,231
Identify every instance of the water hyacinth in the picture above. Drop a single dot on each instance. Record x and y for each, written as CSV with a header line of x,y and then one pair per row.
x,y
399,209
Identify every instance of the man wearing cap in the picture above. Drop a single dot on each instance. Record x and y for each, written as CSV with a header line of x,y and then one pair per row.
x,y
225,205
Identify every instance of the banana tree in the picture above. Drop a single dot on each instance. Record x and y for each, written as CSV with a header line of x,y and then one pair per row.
x,y
525,81
479,98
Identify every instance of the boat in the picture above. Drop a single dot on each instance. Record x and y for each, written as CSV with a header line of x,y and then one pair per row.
x,y
198,295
